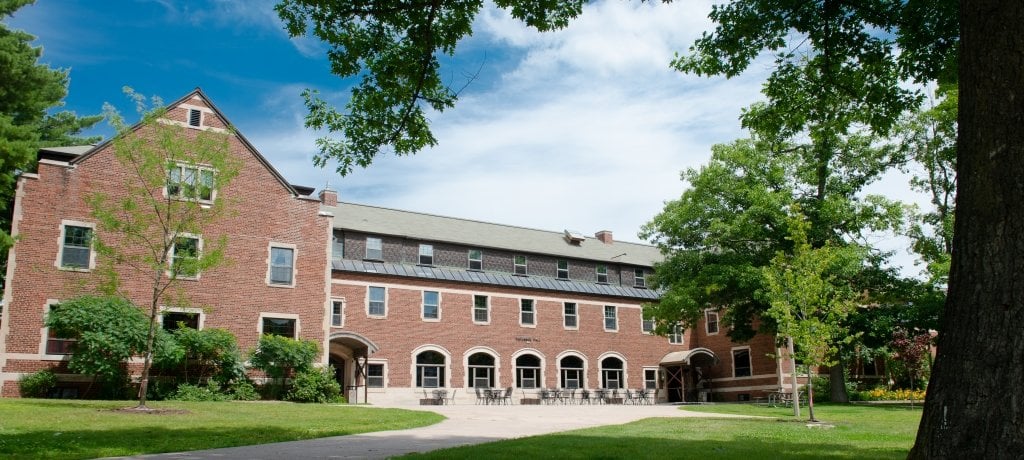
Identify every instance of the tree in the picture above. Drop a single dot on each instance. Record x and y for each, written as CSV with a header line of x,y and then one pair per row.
x,y
148,233
213,353
28,92
107,332
811,292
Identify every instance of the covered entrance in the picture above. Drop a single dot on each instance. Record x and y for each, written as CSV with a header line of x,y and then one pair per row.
x,y
348,354
687,375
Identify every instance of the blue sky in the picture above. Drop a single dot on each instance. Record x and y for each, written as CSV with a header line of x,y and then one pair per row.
x,y
586,128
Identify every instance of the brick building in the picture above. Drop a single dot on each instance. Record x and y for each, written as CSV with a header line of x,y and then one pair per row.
x,y
399,301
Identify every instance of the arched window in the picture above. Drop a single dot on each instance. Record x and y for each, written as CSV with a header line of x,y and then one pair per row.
x,y
572,372
611,372
481,370
429,369
528,372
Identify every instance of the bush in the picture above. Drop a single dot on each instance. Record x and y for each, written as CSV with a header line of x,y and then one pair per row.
x,y
882,394
315,386
210,353
279,356
244,391
189,392
38,384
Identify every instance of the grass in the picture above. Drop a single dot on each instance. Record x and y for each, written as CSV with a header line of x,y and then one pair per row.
x,y
860,433
41,428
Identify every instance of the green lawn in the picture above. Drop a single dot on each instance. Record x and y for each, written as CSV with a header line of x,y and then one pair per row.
x,y
41,428
860,432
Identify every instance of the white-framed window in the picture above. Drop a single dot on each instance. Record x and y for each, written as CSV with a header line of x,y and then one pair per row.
x,y
611,318
570,315
675,336
519,265
184,256
480,372
646,324
281,269
651,378
173,318
741,362
376,375
612,375
195,118
426,254
527,313
571,372
282,324
190,182
430,369
76,246
639,278
528,371
374,248
602,273
711,322
476,259
376,301
337,312
431,305
54,344
562,271
481,309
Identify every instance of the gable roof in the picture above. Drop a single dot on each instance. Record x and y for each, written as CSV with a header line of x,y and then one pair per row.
x,y
83,156
429,227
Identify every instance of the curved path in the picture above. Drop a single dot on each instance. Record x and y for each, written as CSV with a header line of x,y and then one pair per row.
x,y
465,424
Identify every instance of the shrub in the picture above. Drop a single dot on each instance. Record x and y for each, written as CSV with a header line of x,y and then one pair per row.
x,y
211,353
315,386
242,390
189,392
38,384
279,357
882,394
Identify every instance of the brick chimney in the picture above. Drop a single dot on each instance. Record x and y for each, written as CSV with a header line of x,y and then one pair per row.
x,y
605,236
328,196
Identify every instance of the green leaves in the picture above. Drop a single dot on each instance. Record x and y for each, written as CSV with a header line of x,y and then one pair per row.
x,y
278,356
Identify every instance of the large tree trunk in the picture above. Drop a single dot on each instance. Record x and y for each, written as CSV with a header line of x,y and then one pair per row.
x,y
975,408
837,383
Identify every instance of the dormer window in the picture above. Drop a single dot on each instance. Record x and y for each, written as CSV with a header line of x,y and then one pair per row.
x,y
562,272
195,118
639,278
426,254
519,265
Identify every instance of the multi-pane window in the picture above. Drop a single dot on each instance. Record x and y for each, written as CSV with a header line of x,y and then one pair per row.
x,y
189,182
562,272
374,248
375,375
712,322
481,309
282,261
431,305
430,367
185,256
481,370
77,248
174,320
337,247
426,254
337,313
527,315
647,325
57,345
376,305
675,336
651,379
519,265
570,316
602,273
639,278
528,371
611,373
571,372
284,327
611,318
476,259
741,362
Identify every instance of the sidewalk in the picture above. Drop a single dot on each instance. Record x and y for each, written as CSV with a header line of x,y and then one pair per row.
x,y
466,424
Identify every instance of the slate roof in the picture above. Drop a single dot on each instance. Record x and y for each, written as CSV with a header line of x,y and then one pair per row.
x,y
429,227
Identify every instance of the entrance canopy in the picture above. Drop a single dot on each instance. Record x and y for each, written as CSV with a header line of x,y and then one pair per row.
x,y
684,357
360,346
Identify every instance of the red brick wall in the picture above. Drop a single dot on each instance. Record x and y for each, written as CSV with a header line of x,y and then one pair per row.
x,y
261,210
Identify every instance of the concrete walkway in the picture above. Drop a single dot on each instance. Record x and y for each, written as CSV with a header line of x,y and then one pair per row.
x,y
466,424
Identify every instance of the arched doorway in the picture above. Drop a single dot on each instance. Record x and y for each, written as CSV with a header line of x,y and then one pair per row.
x,y
348,354
686,375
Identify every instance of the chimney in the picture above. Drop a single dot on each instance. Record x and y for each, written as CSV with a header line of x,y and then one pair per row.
x,y
328,196
605,236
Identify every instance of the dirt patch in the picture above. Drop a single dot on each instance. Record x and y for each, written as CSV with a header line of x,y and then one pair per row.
x,y
149,411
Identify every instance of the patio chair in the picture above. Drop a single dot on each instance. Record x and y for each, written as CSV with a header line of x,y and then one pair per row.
x,y
507,397
480,396
584,396
629,397
645,396
448,400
